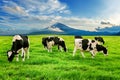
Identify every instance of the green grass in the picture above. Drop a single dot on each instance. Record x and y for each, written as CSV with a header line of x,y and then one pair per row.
x,y
60,65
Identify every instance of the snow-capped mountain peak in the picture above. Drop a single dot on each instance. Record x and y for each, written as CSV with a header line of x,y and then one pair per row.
x,y
54,28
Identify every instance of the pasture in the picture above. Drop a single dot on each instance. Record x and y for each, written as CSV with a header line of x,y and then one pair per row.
x,y
57,65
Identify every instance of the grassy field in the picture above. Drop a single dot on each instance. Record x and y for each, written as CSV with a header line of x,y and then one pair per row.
x,y
60,65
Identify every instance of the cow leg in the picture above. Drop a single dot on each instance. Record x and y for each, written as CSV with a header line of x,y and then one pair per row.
x,y
27,52
49,47
45,47
92,53
23,54
60,48
23,59
74,52
82,54
48,50
17,57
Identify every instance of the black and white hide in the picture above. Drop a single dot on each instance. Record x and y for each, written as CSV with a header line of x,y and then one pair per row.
x,y
100,39
49,42
88,45
19,43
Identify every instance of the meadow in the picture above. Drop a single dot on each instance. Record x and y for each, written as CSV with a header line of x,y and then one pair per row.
x,y
57,65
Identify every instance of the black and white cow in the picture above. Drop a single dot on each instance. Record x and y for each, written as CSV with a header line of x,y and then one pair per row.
x,y
100,39
19,43
48,42
88,45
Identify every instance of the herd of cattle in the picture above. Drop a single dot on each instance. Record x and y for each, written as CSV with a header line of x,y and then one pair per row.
x,y
21,43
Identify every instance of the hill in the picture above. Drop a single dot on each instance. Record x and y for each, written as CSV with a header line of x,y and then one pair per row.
x,y
59,28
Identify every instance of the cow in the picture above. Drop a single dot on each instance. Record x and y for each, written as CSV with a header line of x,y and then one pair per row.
x,y
50,41
88,45
19,43
100,39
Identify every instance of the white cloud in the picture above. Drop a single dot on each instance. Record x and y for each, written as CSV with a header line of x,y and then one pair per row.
x,y
42,7
35,7
81,23
16,10
40,22
43,13
33,13
13,9
111,13
74,22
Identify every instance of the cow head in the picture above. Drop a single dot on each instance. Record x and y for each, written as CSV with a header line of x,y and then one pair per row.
x,y
65,49
44,42
62,43
100,40
102,48
105,51
10,55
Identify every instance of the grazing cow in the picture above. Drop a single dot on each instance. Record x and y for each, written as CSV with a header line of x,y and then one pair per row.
x,y
88,45
20,43
48,42
99,39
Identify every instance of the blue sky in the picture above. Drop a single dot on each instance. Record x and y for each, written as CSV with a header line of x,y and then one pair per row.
x,y
79,14
84,8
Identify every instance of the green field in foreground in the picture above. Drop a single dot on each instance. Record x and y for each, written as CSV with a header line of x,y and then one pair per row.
x,y
61,65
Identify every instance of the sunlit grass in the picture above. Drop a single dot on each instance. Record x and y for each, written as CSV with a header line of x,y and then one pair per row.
x,y
61,65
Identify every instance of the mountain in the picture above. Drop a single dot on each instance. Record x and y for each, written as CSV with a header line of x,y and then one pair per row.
x,y
13,32
118,34
5,30
113,29
59,28
63,29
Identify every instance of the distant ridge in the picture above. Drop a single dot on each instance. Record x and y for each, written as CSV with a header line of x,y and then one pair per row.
x,y
117,34
59,28
113,29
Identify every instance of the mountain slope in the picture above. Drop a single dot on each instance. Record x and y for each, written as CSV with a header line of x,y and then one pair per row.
x,y
59,28
113,29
